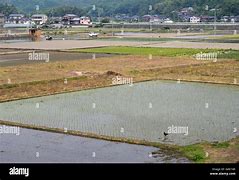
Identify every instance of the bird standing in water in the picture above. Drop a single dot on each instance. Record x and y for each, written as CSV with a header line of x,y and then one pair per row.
x,y
165,134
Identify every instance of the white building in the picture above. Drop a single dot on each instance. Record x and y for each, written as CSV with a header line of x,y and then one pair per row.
x,y
195,19
16,19
85,20
39,19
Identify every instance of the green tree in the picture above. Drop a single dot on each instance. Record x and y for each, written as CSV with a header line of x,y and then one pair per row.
x,y
8,9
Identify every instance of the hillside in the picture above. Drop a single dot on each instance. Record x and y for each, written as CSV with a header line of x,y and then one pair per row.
x,y
131,7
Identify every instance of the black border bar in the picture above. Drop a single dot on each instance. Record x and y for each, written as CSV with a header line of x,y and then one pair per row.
x,y
112,171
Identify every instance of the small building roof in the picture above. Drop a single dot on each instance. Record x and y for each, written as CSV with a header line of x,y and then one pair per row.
x,y
37,15
70,15
16,15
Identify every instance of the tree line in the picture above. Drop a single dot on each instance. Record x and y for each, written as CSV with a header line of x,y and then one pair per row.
x,y
113,7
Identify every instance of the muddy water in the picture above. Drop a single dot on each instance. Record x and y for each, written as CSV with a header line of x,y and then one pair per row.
x,y
39,146
144,111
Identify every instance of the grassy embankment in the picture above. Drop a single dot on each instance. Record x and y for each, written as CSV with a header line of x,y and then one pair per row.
x,y
169,52
226,37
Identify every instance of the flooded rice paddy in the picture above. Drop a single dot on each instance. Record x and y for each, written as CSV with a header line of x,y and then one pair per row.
x,y
142,111
38,146
22,58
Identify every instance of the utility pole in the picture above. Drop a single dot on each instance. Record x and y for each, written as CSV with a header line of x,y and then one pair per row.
x,y
150,9
94,9
215,20
150,23
112,26
37,8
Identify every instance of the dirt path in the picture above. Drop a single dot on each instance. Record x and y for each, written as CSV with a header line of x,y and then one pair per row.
x,y
70,44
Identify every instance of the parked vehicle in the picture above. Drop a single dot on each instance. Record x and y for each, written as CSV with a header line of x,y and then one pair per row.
x,y
49,38
93,35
